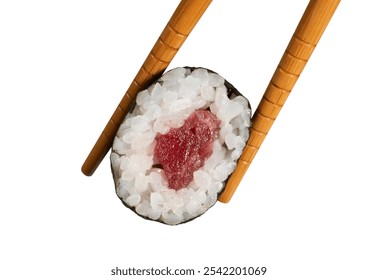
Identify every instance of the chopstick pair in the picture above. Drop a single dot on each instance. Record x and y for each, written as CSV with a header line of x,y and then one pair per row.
x,y
308,33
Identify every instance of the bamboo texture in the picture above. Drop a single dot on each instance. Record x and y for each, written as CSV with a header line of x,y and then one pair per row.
x,y
182,22
307,35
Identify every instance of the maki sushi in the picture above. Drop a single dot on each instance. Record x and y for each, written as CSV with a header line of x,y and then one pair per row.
x,y
179,143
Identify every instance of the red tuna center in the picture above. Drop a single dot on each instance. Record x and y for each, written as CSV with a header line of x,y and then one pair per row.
x,y
185,149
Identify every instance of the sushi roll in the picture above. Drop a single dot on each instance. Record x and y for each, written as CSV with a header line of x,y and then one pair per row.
x,y
178,145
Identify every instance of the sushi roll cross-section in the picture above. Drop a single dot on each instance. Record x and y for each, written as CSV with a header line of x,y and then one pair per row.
x,y
178,145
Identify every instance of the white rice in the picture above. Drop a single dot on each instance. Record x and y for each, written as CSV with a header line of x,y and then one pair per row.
x,y
165,105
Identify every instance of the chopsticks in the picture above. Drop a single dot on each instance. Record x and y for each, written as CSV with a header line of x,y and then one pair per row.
x,y
182,22
307,35
305,38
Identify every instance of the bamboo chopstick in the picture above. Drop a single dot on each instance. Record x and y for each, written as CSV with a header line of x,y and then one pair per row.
x,y
311,27
182,22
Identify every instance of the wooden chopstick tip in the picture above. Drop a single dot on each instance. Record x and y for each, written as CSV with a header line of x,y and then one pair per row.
x,y
87,171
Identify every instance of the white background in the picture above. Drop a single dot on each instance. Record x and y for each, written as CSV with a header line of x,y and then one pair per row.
x,y
307,208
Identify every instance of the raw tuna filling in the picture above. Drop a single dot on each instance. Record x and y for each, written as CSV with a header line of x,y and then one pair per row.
x,y
184,150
